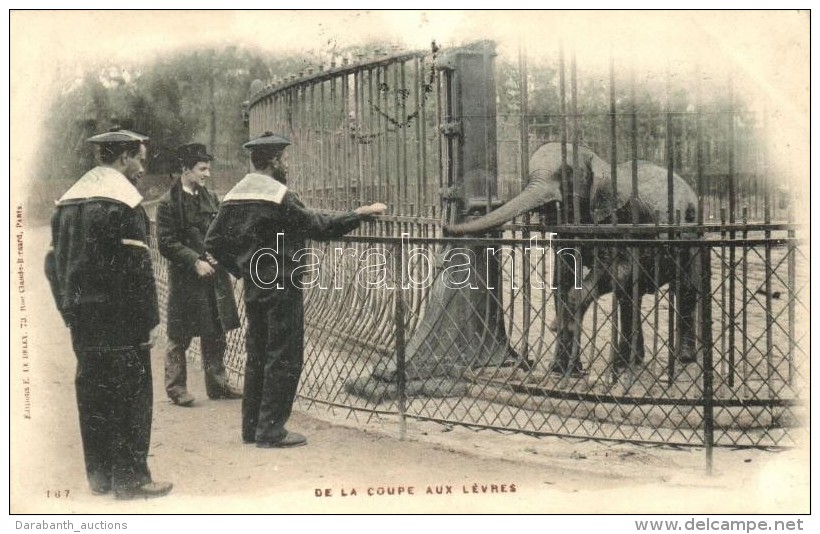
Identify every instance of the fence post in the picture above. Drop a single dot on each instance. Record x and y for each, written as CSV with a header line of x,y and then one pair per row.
x,y
524,153
706,292
399,319
470,126
708,393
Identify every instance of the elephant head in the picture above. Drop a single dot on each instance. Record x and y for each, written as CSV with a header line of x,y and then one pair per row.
x,y
545,187
595,189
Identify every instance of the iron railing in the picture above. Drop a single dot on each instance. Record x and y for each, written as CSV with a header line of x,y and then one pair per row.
x,y
369,302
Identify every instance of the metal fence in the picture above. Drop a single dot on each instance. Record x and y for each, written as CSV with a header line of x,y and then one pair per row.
x,y
463,331
746,394
361,132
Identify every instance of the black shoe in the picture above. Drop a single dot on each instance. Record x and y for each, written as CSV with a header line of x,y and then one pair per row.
x,y
100,490
100,483
292,439
145,491
183,399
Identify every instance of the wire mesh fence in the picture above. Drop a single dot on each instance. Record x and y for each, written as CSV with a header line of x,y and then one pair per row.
x,y
377,343
654,324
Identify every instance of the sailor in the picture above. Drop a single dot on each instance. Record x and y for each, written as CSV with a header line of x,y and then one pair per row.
x,y
101,276
243,238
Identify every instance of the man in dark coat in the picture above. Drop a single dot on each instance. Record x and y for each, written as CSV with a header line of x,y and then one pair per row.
x,y
201,300
244,239
101,277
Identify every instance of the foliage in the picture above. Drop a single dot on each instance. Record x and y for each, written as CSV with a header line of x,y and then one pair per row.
x,y
664,109
192,96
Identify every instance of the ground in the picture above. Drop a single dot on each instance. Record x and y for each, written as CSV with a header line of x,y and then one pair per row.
x,y
199,449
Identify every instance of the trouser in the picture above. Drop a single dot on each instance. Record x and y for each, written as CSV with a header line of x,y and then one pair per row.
x,y
274,343
213,352
114,400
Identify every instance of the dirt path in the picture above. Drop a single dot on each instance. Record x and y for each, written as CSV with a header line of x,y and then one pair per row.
x,y
199,449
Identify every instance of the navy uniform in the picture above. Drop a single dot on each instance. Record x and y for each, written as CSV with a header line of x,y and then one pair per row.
x,y
251,215
202,307
102,281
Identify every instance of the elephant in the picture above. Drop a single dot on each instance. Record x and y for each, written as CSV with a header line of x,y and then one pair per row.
x,y
548,174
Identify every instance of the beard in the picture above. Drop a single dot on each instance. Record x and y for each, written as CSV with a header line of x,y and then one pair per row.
x,y
281,176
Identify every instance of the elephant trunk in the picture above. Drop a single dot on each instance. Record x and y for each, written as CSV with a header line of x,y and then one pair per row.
x,y
537,193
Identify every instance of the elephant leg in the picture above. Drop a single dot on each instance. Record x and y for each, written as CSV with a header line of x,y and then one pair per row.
x,y
565,334
564,324
687,296
626,356
569,323
579,300
594,285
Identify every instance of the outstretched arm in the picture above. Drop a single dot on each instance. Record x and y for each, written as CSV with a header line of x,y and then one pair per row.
x,y
317,225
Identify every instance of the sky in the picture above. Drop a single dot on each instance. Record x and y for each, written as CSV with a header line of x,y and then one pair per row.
x,y
650,36
767,52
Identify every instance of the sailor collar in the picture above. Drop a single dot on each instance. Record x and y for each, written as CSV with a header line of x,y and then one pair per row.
x,y
103,182
255,186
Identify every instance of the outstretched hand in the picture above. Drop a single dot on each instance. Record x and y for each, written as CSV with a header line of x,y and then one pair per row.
x,y
377,208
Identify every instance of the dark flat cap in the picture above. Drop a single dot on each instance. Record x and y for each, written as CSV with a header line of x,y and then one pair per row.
x,y
268,140
117,135
193,151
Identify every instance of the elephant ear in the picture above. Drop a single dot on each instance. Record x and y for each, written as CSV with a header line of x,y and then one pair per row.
x,y
601,204
602,200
